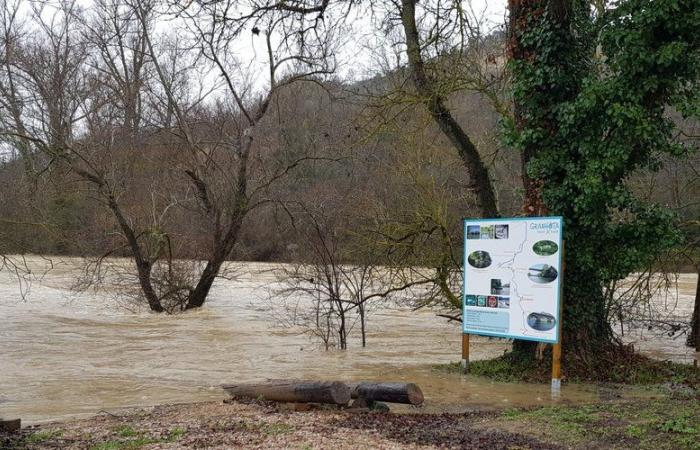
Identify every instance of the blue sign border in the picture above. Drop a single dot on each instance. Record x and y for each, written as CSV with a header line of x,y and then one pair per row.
x,y
464,277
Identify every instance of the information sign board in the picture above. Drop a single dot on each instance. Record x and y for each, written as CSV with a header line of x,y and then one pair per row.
x,y
512,277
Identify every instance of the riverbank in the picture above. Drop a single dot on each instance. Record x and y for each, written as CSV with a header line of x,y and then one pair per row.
x,y
672,422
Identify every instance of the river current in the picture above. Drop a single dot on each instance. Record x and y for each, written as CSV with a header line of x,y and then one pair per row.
x,y
66,355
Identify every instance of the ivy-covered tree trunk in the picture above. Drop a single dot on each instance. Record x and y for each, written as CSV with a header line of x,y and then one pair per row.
x,y
591,92
549,63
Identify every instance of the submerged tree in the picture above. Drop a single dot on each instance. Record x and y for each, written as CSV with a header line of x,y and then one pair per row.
x,y
95,99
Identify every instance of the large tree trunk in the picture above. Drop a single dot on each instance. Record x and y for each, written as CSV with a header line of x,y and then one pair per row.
x,y
223,246
211,270
532,200
143,266
557,81
433,100
520,15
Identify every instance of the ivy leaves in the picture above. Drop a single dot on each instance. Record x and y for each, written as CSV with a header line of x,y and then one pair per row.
x,y
593,93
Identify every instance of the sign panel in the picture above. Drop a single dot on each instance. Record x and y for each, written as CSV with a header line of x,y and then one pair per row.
x,y
512,277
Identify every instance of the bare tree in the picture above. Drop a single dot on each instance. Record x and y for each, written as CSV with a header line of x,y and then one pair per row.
x,y
43,82
438,38
119,61
224,200
649,300
339,277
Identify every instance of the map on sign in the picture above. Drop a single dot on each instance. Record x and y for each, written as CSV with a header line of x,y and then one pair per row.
x,y
512,277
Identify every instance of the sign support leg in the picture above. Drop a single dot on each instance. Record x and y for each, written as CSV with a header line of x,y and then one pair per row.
x,y
556,371
465,352
556,348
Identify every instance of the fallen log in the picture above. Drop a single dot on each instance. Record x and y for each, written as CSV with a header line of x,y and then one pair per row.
x,y
408,393
334,392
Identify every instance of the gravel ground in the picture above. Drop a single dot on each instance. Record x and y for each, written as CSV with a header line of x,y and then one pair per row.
x,y
259,425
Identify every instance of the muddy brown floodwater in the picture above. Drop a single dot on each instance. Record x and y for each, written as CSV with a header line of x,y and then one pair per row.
x,y
66,355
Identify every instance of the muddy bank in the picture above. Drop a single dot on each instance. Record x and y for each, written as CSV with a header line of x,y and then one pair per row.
x,y
260,426
670,422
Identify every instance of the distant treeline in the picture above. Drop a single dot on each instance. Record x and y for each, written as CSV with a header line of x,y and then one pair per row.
x,y
369,158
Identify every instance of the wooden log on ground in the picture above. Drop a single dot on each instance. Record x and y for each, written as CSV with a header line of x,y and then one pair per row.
x,y
408,393
333,392
10,426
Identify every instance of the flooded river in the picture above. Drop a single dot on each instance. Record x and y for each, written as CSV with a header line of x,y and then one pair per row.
x,y
66,355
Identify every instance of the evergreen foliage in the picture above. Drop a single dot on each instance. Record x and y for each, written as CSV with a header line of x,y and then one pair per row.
x,y
594,92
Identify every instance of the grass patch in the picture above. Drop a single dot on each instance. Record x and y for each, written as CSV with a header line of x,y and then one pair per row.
x,y
276,428
136,439
656,372
561,421
175,434
126,445
511,368
126,431
43,436
668,423
635,431
506,368
682,425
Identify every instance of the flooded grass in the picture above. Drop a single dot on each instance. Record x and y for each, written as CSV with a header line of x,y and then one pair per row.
x,y
629,368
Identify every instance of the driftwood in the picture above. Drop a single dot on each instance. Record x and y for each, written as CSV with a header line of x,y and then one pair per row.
x,y
10,426
333,392
408,393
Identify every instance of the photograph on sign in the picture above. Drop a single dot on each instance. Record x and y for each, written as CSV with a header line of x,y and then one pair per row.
x,y
512,277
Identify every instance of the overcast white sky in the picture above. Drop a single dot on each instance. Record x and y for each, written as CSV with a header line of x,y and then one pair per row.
x,y
358,55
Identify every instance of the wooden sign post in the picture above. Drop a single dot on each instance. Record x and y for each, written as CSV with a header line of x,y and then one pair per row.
x,y
556,348
465,352
556,371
